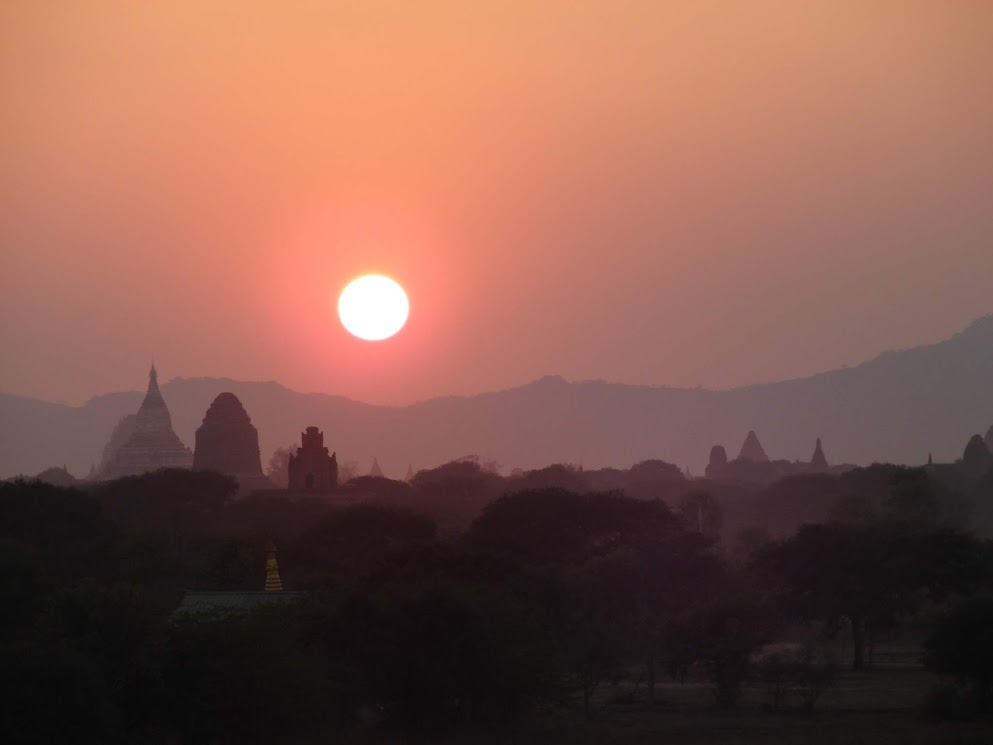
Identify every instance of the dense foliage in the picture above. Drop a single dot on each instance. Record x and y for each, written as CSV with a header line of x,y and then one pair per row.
x,y
460,602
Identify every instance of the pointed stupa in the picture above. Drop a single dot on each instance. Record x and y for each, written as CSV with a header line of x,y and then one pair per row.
x,y
410,473
149,442
751,449
376,470
153,419
818,462
273,582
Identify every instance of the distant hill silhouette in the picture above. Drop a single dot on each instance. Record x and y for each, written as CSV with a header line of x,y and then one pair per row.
x,y
898,407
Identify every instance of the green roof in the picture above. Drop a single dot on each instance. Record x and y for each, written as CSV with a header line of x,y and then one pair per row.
x,y
223,603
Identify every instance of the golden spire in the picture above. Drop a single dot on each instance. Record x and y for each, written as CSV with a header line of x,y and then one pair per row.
x,y
273,583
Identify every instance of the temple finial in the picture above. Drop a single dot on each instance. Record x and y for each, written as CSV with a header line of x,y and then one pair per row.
x,y
273,582
376,470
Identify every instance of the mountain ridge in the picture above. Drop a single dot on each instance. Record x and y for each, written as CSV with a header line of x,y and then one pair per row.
x,y
898,406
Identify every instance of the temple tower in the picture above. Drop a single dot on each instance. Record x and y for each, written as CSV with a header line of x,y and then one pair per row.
x,y
228,442
312,469
148,440
818,463
751,449
376,470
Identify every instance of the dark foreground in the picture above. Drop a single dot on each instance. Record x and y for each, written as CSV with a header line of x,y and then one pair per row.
x,y
883,706
541,620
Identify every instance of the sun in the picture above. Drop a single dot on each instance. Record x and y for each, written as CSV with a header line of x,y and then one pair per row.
x,y
373,307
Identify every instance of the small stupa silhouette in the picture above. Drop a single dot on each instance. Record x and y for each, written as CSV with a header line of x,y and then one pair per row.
x,y
273,582
751,449
376,470
818,462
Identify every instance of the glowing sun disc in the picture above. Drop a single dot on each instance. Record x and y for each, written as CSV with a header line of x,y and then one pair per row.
x,y
373,307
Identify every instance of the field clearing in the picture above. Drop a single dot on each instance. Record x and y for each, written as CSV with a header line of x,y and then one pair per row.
x,y
866,708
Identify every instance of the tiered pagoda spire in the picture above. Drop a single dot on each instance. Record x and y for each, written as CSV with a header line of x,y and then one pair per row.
x,y
148,440
273,582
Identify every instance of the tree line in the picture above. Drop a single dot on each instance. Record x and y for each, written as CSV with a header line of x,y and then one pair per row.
x,y
415,623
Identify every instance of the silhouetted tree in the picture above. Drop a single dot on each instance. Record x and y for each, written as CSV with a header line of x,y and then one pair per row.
x,y
806,671
599,623
725,631
556,476
67,528
454,493
557,526
853,509
464,477
278,468
437,641
55,694
911,497
171,502
380,490
347,470
111,626
25,587
700,513
962,645
869,575
248,677
353,538
651,479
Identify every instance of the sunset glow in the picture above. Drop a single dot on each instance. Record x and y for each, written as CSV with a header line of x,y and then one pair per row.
x,y
552,184
373,307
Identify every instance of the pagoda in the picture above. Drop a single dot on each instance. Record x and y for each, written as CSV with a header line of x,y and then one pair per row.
x,y
312,468
228,442
151,442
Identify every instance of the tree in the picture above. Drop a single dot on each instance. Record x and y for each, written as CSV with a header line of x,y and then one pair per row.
x,y
464,478
347,470
556,476
455,492
554,526
25,585
700,513
856,509
598,624
353,538
65,527
174,502
249,677
54,695
626,567
962,645
278,469
869,575
726,630
806,671
438,640
911,497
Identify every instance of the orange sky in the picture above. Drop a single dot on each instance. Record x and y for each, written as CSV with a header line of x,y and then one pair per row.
x,y
672,193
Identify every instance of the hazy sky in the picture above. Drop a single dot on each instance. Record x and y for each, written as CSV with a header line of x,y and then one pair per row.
x,y
675,193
